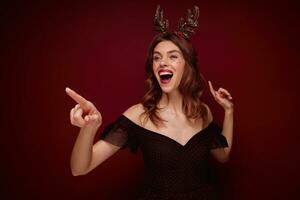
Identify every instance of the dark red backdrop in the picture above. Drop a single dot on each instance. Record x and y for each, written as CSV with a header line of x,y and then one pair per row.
x,y
99,50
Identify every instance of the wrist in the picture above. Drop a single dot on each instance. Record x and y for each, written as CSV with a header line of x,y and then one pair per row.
x,y
228,111
90,128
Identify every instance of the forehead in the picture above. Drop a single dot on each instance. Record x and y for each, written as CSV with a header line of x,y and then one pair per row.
x,y
166,46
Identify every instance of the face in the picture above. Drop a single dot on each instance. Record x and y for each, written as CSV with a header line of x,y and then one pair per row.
x,y
168,65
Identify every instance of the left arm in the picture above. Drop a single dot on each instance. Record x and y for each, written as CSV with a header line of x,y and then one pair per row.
x,y
224,98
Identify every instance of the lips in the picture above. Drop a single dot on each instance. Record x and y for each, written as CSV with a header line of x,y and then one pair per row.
x,y
165,75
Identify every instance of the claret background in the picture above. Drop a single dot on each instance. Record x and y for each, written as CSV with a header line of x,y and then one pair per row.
x,y
98,48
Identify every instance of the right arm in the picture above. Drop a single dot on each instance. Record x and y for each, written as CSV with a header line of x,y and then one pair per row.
x,y
86,155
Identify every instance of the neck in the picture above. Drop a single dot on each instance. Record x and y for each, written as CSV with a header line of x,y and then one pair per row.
x,y
171,102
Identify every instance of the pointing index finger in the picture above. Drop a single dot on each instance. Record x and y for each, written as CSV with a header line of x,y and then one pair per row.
x,y
212,90
76,97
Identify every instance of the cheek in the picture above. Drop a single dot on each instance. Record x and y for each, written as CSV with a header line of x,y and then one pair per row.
x,y
180,67
155,67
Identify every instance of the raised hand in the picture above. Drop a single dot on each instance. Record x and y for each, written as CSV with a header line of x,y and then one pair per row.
x,y
84,113
222,96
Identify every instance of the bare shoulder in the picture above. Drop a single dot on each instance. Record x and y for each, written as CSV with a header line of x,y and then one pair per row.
x,y
209,113
134,113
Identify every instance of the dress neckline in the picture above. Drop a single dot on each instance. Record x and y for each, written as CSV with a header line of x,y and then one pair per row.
x,y
166,137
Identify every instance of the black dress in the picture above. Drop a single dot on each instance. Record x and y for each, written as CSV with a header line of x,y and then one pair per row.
x,y
173,171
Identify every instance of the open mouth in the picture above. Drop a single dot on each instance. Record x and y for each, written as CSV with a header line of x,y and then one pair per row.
x,y
165,76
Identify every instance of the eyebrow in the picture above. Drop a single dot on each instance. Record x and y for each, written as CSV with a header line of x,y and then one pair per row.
x,y
172,51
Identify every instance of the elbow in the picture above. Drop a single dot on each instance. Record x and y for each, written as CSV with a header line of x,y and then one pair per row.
x,y
75,174
224,160
78,172
77,169
221,155
225,156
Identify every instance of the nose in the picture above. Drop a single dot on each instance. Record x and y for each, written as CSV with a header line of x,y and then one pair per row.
x,y
163,62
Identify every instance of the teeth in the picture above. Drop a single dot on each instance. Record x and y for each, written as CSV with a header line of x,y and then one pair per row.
x,y
165,73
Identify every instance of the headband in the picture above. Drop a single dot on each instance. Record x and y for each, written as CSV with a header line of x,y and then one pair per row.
x,y
185,27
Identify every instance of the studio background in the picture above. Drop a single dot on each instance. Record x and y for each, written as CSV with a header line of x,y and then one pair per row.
x,y
99,49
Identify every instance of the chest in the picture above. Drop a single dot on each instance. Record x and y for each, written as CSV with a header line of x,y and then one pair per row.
x,y
180,130
170,146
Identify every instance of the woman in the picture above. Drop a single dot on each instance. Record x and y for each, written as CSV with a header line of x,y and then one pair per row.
x,y
172,127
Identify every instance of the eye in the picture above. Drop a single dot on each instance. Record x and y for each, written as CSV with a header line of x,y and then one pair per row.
x,y
156,58
173,56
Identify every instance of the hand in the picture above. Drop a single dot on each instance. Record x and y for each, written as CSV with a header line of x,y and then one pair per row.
x,y
92,116
222,96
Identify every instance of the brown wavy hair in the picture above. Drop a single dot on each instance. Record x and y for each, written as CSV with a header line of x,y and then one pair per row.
x,y
191,85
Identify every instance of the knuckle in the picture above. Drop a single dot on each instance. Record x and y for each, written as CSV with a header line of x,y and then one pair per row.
x,y
90,104
76,116
86,103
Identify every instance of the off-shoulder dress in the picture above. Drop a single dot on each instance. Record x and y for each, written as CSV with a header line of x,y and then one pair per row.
x,y
173,171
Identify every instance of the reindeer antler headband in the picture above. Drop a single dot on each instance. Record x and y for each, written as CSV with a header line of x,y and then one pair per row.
x,y
185,27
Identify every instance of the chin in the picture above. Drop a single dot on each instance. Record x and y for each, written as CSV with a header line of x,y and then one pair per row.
x,y
167,89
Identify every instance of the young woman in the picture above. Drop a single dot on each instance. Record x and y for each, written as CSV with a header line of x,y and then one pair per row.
x,y
172,126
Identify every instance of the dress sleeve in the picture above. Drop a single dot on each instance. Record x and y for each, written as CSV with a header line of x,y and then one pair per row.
x,y
218,140
119,134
